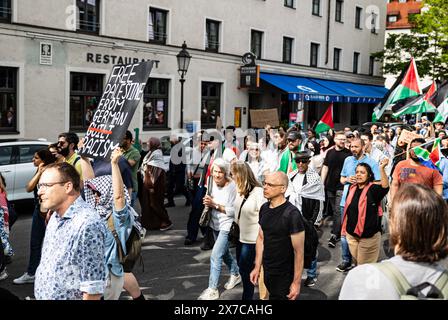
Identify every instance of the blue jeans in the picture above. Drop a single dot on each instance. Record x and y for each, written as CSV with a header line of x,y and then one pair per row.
x,y
245,255
220,253
37,238
312,271
346,255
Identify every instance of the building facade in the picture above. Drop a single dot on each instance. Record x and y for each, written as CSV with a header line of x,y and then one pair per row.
x,y
56,57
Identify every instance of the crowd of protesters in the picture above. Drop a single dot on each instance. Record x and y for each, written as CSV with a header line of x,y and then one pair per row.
x,y
274,185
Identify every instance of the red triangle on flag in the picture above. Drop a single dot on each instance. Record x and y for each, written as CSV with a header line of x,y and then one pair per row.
x,y
410,80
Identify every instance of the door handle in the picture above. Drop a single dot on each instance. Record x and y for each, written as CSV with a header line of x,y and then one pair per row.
x,y
5,171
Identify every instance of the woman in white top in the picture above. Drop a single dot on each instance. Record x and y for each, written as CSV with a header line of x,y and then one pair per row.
x,y
221,199
254,160
247,206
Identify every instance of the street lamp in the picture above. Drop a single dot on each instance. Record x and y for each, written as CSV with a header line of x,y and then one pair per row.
x,y
183,61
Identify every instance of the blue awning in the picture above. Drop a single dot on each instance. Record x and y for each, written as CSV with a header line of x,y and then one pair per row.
x,y
354,92
296,87
325,90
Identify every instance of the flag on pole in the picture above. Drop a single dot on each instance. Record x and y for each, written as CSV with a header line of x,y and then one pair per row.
x,y
405,88
440,100
326,123
417,104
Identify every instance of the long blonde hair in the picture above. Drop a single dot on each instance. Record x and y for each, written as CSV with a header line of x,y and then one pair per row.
x,y
244,178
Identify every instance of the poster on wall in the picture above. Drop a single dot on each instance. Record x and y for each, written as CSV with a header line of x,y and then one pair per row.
x,y
46,53
237,115
292,119
111,119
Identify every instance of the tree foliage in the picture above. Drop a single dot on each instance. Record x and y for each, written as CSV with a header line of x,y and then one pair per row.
x,y
427,43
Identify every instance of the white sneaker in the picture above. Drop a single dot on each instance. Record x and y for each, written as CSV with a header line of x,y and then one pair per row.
x,y
3,274
209,294
233,281
25,278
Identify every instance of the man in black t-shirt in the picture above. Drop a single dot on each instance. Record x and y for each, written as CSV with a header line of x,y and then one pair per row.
x,y
331,174
280,242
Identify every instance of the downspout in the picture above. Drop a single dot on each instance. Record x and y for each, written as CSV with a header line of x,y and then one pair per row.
x,y
328,32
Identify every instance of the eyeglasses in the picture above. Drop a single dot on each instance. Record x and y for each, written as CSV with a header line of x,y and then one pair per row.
x,y
44,186
271,185
302,161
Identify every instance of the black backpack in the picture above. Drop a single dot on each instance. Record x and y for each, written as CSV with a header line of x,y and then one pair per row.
x,y
311,240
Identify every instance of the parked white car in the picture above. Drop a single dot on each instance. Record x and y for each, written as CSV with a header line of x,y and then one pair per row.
x,y
16,165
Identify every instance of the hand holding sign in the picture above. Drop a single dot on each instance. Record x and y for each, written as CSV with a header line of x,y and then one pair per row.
x,y
111,119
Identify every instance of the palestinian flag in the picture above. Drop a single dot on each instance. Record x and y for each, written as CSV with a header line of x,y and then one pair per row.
x,y
287,163
326,122
440,100
405,88
418,104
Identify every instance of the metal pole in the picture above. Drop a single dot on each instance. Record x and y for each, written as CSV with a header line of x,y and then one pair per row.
x,y
182,80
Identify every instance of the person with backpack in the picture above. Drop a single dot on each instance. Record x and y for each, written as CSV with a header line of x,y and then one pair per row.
x,y
280,241
419,236
110,198
306,192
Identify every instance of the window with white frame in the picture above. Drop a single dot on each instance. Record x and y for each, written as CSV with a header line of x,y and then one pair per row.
x,y
212,35
157,28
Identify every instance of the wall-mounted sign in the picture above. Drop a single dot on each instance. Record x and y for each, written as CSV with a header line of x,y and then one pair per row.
x,y
250,72
46,53
113,59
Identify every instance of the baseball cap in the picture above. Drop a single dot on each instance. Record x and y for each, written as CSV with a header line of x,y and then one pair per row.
x,y
302,155
294,135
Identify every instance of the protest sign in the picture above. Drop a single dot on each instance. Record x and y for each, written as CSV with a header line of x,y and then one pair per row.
x,y
111,119
407,136
261,117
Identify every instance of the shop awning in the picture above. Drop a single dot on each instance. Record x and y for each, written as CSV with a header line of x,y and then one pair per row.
x,y
298,87
354,92
311,89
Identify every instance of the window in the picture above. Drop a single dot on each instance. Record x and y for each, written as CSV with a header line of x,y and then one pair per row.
x,y
289,3
256,43
89,16
314,55
26,152
8,100
212,35
157,26
355,62
155,109
371,66
86,90
5,10
392,19
316,7
336,58
6,156
210,104
358,18
287,49
338,12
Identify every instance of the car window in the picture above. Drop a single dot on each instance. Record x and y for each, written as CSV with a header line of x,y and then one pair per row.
x,y
27,152
5,155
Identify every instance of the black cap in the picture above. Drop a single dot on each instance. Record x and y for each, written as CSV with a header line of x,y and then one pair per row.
x,y
294,135
302,155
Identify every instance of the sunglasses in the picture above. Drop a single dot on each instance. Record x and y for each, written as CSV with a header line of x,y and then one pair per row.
x,y
302,160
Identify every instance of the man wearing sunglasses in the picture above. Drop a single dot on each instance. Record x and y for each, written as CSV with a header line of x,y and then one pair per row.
x,y
72,266
306,192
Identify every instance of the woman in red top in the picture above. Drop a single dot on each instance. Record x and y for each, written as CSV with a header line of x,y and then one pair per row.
x,y
362,213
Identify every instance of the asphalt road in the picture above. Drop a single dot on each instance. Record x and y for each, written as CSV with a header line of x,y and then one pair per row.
x,y
178,272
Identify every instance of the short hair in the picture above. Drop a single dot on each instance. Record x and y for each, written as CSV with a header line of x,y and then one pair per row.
x,y
419,140
370,175
312,131
358,139
339,133
46,156
70,137
419,224
223,165
368,135
68,173
128,135
244,177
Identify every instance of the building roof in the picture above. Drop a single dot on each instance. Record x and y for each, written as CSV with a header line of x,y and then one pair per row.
x,y
402,10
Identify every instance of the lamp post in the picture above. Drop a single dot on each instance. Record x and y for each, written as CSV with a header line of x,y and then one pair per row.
x,y
183,61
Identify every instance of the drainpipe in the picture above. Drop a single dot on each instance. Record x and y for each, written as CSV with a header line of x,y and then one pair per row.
x,y
328,32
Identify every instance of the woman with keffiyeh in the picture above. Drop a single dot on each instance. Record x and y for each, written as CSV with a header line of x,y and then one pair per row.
x,y
154,214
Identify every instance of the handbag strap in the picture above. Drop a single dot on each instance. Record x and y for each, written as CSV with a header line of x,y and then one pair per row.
x,y
242,203
110,224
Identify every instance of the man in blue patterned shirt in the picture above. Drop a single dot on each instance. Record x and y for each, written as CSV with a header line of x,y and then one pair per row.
x,y
72,266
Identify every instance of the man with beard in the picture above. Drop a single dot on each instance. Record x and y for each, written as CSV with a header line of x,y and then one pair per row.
x,y
287,163
413,171
68,143
132,155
